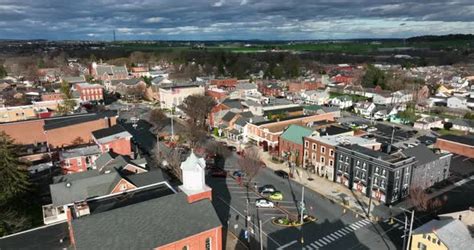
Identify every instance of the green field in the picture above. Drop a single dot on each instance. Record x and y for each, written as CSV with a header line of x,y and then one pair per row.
x,y
355,47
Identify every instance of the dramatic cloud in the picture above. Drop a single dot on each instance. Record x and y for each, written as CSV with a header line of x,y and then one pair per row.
x,y
233,19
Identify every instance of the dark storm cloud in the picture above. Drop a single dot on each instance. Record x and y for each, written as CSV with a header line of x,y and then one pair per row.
x,y
232,19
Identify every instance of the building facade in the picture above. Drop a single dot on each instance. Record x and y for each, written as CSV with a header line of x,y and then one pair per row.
x,y
384,177
90,92
173,96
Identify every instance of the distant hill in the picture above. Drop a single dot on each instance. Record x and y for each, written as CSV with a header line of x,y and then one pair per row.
x,y
451,37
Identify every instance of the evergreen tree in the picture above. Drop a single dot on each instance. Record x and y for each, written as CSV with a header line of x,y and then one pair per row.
x,y
13,176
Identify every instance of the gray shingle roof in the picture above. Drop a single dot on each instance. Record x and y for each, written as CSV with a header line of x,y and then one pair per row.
x,y
82,151
145,225
129,82
228,116
453,233
83,188
147,178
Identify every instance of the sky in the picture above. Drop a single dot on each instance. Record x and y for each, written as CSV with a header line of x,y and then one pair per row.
x,y
232,19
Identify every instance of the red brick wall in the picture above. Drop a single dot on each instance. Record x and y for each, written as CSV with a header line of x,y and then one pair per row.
x,y
121,146
198,241
298,86
118,188
25,132
225,83
64,136
326,154
200,196
52,97
289,146
74,167
456,148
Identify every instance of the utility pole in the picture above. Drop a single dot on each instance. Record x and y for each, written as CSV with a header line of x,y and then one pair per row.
x,y
302,208
172,127
371,189
260,232
411,228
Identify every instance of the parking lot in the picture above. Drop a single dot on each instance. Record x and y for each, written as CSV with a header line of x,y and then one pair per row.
x,y
461,166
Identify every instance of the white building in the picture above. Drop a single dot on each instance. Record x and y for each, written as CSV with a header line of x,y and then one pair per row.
x,y
342,102
173,96
456,102
364,108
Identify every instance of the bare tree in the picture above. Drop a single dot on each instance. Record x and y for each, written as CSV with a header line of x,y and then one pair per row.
x,y
421,200
197,108
159,119
169,160
212,147
250,164
195,135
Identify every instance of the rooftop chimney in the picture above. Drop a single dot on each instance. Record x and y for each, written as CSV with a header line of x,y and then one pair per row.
x,y
194,180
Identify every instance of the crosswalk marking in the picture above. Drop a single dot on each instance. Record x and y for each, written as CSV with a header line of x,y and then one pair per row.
x,y
358,224
314,245
325,240
322,242
353,227
330,237
338,234
318,244
308,247
401,227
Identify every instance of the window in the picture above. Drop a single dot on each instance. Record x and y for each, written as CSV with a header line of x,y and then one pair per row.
x,y
331,152
185,248
357,163
382,184
306,154
364,166
331,163
306,144
421,246
314,146
208,243
79,162
397,174
313,156
376,170
383,172
429,237
433,240
341,157
347,158
323,149
322,159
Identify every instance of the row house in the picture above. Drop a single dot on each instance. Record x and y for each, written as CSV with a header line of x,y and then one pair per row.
x,y
79,159
90,92
266,133
295,87
115,139
122,86
271,89
342,102
52,96
291,143
227,83
319,151
387,98
382,176
139,72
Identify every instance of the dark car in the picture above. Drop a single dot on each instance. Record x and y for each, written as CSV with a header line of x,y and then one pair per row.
x,y
232,148
238,173
282,174
267,189
216,172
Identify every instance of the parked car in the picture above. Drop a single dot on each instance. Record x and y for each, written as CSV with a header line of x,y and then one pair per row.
x,y
264,203
267,189
216,172
276,196
282,174
371,129
232,148
238,173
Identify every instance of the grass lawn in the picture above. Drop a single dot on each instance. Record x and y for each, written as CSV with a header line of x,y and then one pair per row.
x,y
450,132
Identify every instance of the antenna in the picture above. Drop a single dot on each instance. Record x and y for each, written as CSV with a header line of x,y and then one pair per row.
x,y
114,36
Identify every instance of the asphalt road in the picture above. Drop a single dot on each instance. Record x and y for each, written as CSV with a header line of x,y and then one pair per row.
x,y
332,230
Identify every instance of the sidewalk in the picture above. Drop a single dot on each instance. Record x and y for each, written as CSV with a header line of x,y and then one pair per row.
x,y
330,190
233,243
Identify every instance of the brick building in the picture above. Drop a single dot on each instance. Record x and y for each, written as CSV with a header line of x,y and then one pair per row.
x,y
59,131
461,145
217,94
319,151
295,87
90,92
270,89
53,96
115,139
266,134
79,159
105,72
227,83
291,143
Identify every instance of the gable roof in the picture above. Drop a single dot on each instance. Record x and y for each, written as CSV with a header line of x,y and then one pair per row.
x,y
104,158
233,104
228,116
129,82
295,133
73,190
152,223
144,179
453,233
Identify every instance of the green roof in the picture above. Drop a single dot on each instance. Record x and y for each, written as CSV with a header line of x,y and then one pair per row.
x,y
295,133
313,107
